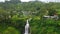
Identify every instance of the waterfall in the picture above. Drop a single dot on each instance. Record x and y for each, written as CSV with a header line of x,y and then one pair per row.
x,y
27,28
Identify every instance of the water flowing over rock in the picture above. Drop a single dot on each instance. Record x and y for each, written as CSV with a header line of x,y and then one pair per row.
x,y
27,28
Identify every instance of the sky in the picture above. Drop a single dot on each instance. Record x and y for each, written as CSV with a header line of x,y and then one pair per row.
x,y
50,0
1,0
40,0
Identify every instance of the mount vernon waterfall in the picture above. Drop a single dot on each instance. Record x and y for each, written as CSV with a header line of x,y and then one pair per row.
x,y
27,28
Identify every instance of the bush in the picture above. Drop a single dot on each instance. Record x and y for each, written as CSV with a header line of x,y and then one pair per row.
x,y
11,30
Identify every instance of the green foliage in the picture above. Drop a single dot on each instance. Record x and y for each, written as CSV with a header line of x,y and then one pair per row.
x,y
15,13
11,30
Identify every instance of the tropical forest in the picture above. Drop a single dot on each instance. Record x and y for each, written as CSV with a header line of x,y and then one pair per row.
x,y
44,18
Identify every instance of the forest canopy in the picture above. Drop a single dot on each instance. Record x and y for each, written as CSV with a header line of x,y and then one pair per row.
x,y
14,13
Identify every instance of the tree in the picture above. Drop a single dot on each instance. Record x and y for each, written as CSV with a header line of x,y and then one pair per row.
x,y
11,30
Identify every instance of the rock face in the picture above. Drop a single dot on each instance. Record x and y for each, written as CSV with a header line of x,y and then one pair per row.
x,y
53,17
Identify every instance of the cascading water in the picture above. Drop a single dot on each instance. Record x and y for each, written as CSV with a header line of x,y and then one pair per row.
x,y
27,28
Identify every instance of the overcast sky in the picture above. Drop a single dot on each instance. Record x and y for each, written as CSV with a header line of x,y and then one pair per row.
x,y
1,0
40,0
